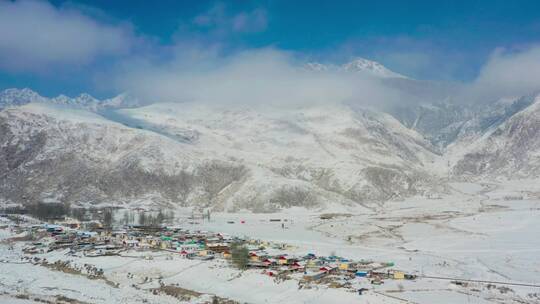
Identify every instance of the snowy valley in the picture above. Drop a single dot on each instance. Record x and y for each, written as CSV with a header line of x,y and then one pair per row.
x,y
448,193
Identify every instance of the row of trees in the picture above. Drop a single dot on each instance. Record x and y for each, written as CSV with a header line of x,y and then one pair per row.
x,y
46,211
147,218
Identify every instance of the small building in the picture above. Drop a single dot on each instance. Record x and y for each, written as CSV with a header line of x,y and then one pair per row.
x,y
313,276
311,264
253,257
399,275
218,247
270,262
130,243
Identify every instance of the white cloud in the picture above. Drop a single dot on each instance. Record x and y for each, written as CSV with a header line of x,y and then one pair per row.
x,y
36,35
508,74
266,76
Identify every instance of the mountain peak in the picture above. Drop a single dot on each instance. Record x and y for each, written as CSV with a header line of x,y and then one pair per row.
x,y
359,65
17,97
373,67
14,97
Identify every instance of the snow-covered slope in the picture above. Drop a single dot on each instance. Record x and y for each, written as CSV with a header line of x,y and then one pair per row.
x,y
257,158
504,142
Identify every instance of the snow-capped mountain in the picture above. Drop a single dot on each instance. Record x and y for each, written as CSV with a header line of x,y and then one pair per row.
x,y
359,65
257,158
18,97
502,142
373,67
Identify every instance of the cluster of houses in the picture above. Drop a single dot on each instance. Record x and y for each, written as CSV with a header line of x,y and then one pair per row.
x,y
313,267
272,258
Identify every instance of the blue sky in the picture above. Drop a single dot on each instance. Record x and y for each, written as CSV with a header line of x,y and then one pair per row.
x,y
437,40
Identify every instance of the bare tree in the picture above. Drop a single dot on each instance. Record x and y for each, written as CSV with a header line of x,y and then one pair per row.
x,y
126,218
108,218
78,213
160,218
142,218
240,255
47,211
184,185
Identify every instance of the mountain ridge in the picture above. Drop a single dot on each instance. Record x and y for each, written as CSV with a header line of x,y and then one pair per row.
x,y
256,157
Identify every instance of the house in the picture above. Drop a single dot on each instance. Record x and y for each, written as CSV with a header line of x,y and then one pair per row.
x,y
410,277
71,223
296,266
53,228
218,247
130,243
253,257
270,262
86,234
399,275
325,268
311,264
144,246
313,276
310,256
257,264
188,247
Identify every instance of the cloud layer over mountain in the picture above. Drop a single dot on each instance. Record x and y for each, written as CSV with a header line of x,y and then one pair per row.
x,y
509,73
198,64
266,76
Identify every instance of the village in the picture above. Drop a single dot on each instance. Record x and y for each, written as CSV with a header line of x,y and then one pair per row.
x,y
92,238
194,256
